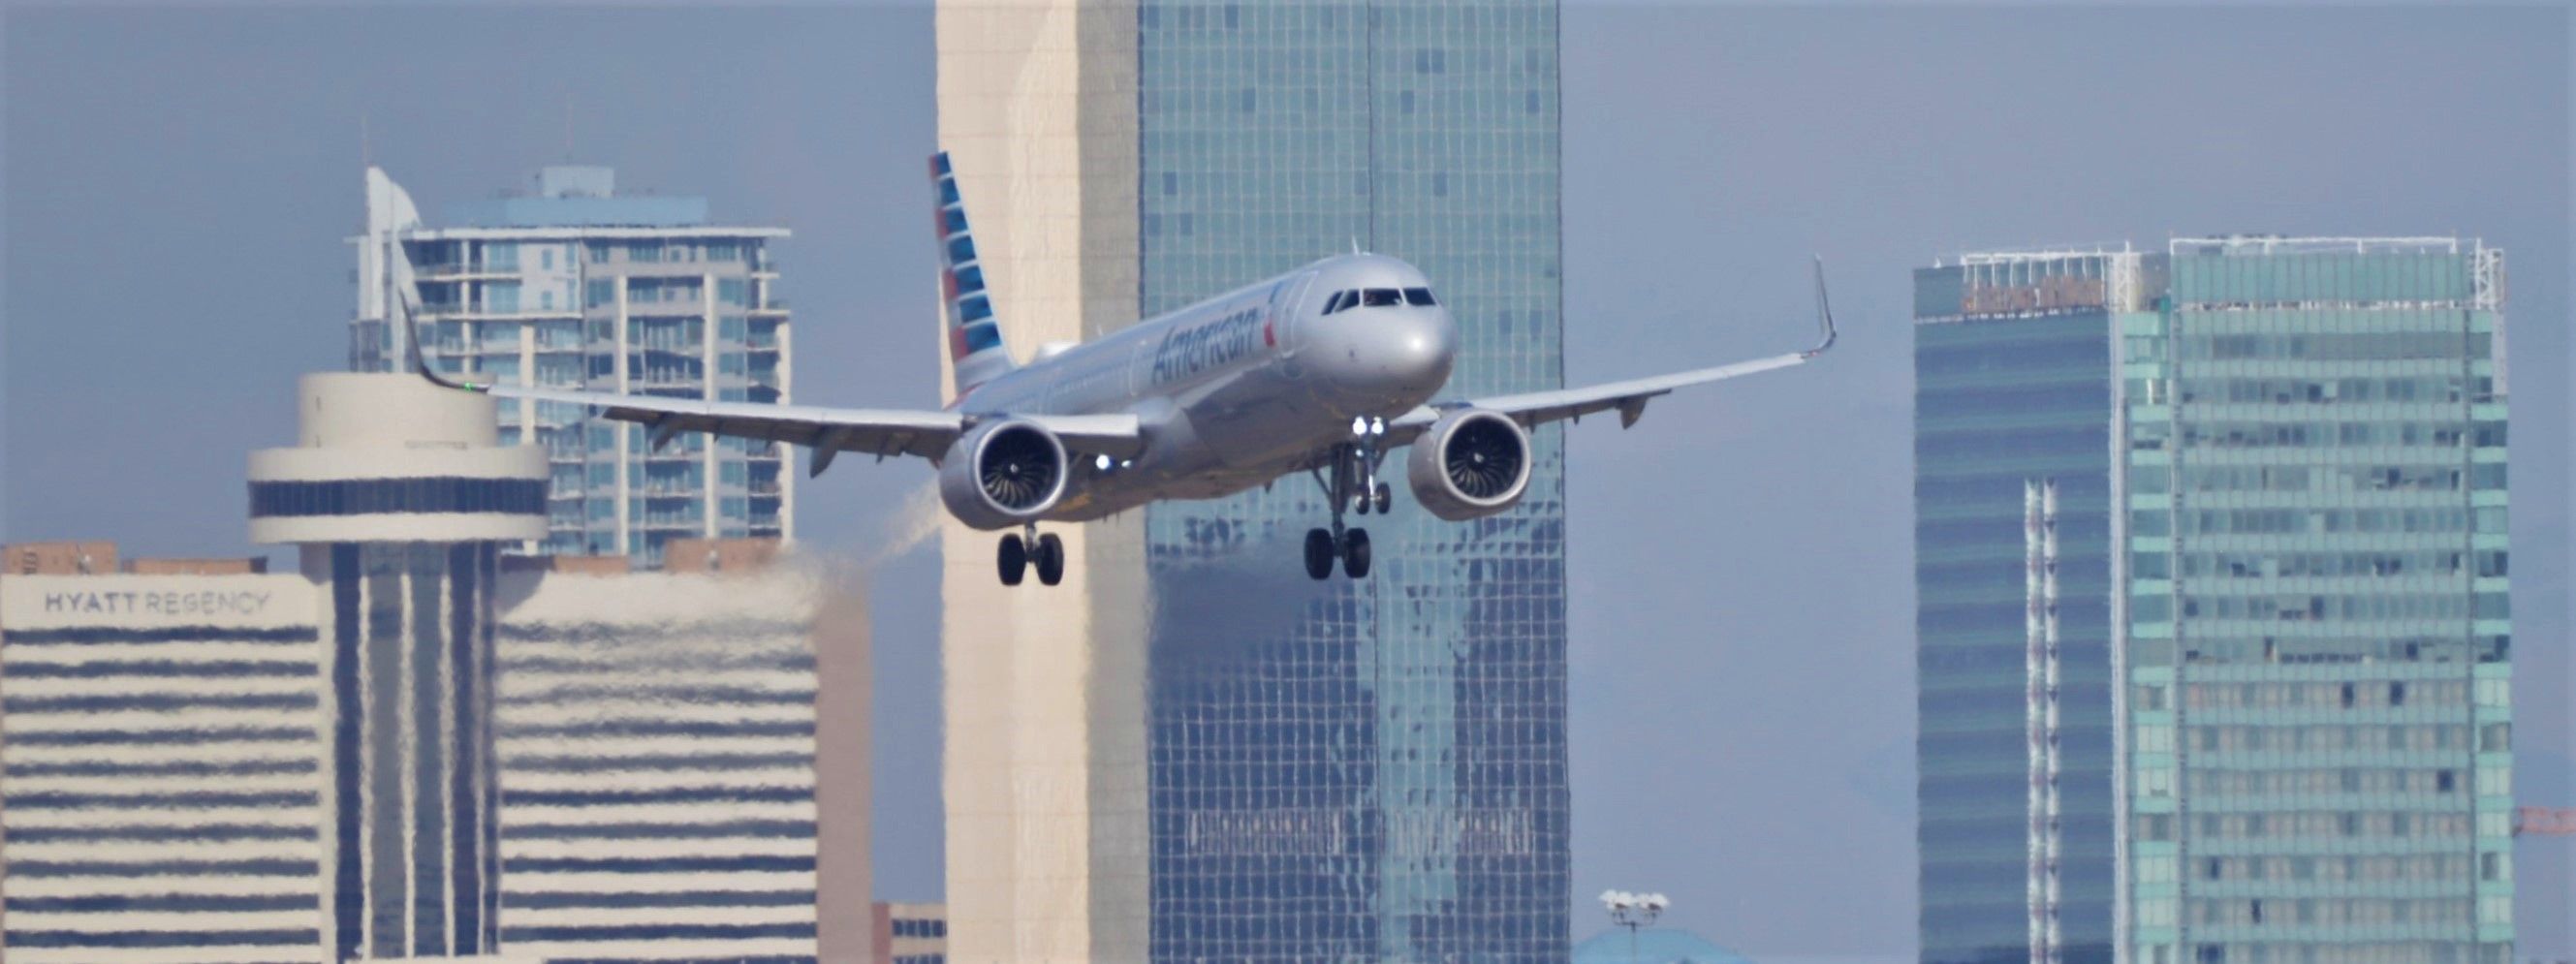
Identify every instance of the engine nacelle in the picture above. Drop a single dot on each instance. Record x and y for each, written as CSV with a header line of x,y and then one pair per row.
x,y
1003,473
1471,463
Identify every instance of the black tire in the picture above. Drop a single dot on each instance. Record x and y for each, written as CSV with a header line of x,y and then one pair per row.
x,y
1050,559
1014,560
1319,554
1385,497
1355,553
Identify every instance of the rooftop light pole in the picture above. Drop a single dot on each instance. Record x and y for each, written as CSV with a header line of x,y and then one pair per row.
x,y
1633,911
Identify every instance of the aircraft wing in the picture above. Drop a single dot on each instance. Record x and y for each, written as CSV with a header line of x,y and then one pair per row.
x,y
874,431
1629,397
828,431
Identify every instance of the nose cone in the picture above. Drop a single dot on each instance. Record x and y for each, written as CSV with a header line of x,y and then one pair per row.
x,y
1392,357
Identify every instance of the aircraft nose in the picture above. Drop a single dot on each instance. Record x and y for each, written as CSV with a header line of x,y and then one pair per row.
x,y
1427,343
1399,356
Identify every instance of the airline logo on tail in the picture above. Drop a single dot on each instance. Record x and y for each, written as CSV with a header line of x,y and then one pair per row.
x,y
974,336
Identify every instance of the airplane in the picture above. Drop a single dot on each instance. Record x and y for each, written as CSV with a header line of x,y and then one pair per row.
x,y
1323,370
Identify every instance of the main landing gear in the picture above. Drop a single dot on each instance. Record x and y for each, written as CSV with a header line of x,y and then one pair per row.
x,y
1018,552
1350,483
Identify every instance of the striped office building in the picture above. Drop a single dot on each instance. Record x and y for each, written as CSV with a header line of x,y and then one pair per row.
x,y
164,763
658,765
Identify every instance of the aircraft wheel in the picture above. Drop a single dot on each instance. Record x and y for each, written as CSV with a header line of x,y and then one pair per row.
x,y
1319,554
1385,497
1014,560
1050,559
1355,553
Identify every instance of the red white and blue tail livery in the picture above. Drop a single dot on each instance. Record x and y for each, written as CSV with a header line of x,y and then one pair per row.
x,y
975,352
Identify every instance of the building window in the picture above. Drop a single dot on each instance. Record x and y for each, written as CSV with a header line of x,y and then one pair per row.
x,y
440,494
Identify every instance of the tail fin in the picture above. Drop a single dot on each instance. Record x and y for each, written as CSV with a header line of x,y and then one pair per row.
x,y
974,335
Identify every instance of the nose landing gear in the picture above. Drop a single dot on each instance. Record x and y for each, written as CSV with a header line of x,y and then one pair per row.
x,y
1018,552
1350,484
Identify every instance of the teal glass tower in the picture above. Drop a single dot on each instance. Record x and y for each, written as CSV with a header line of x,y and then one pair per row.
x,y
2214,628
1386,779
2318,625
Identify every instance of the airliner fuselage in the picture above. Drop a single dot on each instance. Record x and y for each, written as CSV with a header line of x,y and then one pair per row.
x,y
1322,370
1240,389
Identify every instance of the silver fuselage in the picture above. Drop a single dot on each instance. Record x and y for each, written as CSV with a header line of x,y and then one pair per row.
x,y
1236,390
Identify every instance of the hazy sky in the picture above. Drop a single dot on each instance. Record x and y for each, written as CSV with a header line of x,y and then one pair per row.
x,y
177,185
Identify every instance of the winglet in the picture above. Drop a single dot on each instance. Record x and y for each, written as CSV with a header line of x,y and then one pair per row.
x,y
411,339
1824,313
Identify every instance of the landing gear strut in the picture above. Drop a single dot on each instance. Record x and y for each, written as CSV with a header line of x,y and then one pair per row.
x,y
1350,484
1018,552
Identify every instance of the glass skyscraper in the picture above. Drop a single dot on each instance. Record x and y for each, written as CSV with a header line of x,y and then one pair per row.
x,y
577,286
1385,779
2013,397
2319,629
2214,628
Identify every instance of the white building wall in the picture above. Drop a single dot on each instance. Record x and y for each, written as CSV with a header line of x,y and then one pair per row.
x,y
658,764
164,759
1044,760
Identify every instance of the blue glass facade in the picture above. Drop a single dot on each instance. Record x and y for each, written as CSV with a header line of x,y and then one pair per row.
x,y
2012,389
2269,582
413,868
1376,771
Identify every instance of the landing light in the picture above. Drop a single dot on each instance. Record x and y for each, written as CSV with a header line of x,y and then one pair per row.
x,y
1104,463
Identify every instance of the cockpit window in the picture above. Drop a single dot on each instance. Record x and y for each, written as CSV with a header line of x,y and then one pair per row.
x,y
1377,298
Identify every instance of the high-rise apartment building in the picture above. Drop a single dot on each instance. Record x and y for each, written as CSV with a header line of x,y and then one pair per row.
x,y
1371,770
2214,630
578,286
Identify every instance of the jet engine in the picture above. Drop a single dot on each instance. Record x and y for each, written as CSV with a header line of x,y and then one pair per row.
x,y
1003,473
1471,463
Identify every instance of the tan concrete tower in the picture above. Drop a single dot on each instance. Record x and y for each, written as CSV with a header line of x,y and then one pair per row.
x,y
1044,762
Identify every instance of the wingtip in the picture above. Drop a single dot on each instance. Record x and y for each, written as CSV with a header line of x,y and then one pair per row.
x,y
1824,313
420,363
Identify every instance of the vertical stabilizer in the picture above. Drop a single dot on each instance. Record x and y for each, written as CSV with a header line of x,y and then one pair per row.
x,y
974,334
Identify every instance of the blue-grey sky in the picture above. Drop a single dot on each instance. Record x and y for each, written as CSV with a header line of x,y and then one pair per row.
x,y
177,184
